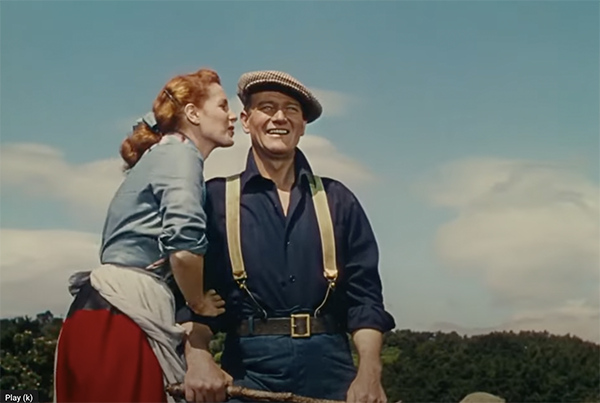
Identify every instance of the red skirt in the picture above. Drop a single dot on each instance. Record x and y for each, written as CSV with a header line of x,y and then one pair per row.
x,y
103,356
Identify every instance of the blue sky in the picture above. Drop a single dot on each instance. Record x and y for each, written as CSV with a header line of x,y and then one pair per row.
x,y
481,88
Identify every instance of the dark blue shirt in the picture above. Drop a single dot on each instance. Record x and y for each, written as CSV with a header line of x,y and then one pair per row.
x,y
283,255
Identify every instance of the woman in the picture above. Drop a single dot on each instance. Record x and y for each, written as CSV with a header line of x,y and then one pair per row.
x,y
119,340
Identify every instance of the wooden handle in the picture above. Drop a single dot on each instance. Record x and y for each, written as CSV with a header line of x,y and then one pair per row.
x,y
177,391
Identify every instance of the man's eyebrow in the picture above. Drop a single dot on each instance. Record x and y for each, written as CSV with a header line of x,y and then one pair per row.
x,y
286,103
259,103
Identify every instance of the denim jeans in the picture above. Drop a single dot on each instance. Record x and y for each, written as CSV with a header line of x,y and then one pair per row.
x,y
320,366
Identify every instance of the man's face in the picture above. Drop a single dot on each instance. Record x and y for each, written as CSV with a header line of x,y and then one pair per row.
x,y
275,123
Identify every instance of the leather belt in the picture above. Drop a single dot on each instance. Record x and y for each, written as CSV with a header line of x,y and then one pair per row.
x,y
296,326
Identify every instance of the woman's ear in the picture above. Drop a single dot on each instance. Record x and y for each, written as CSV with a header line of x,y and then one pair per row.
x,y
192,114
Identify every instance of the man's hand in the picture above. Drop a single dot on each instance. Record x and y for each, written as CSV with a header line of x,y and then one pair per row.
x,y
366,387
204,381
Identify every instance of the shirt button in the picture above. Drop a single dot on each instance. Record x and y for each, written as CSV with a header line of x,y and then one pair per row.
x,y
292,279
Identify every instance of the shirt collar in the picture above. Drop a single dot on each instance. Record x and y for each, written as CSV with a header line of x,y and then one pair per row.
x,y
302,169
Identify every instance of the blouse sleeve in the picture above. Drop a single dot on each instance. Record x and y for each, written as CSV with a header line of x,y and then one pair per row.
x,y
178,184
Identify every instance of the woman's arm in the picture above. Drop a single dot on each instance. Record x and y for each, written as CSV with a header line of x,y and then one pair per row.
x,y
178,184
188,271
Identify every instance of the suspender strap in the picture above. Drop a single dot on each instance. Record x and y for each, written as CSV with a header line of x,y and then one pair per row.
x,y
232,219
234,242
324,221
325,227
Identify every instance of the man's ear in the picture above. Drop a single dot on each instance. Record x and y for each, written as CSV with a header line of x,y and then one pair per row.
x,y
303,128
244,116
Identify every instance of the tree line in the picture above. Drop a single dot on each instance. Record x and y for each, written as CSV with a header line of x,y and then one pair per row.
x,y
417,366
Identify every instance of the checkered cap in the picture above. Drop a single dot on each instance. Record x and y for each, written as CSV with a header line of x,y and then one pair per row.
x,y
255,81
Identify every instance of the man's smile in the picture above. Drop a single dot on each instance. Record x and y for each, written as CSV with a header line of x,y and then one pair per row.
x,y
277,132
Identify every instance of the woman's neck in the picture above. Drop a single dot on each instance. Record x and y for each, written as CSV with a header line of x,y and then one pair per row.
x,y
280,171
204,146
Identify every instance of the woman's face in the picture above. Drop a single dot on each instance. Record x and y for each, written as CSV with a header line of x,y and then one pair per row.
x,y
215,121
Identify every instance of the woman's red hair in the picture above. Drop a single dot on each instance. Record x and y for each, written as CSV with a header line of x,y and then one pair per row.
x,y
168,110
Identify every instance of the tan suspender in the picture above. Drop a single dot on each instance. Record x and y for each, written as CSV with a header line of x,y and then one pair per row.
x,y
232,218
325,227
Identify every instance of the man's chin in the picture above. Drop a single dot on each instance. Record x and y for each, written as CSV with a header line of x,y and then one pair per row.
x,y
278,153
281,150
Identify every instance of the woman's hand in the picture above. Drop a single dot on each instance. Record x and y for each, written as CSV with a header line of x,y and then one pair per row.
x,y
210,305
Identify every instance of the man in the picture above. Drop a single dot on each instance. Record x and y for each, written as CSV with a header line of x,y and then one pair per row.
x,y
296,261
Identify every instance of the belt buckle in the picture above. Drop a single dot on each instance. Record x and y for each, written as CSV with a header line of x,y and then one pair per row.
x,y
294,325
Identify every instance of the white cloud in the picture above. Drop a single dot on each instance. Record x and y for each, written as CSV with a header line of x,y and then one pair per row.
x,y
530,230
334,103
36,265
41,171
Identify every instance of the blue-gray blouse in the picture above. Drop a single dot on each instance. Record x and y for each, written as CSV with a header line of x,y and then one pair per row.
x,y
159,207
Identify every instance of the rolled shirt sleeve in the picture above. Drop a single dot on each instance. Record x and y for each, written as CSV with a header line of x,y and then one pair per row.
x,y
178,184
363,286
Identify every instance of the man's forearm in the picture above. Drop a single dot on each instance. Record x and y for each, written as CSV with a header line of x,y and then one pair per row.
x,y
368,344
198,337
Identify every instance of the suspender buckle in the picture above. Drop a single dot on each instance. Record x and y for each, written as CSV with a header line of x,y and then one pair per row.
x,y
300,325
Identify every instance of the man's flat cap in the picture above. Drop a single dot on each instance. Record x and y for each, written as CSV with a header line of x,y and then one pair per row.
x,y
269,80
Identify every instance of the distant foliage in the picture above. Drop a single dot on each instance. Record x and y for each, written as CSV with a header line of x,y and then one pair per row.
x,y
523,367
417,366
27,353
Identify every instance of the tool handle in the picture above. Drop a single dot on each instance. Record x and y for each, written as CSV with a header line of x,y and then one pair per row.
x,y
177,391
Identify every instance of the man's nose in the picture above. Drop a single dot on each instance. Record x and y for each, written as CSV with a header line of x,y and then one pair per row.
x,y
279,116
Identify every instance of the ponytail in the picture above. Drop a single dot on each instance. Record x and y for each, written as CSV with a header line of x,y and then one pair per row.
x,y
134,146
